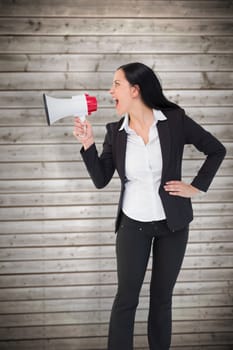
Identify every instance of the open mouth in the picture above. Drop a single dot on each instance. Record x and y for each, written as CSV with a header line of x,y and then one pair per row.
x,y
116,102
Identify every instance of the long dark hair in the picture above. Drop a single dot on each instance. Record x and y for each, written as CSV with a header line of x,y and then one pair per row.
x,y
150,88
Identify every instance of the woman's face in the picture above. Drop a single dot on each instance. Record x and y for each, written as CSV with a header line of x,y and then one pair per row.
x,y
122,92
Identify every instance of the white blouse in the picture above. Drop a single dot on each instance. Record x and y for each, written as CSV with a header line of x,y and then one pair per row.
x,y
143,168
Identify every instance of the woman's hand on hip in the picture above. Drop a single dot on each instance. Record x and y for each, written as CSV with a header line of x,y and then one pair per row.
x,y
181,189
83,132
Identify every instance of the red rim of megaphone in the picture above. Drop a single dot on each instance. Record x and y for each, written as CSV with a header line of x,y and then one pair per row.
x,y
91,103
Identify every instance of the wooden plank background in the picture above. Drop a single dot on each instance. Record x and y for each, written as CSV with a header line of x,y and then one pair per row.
x,y
57,255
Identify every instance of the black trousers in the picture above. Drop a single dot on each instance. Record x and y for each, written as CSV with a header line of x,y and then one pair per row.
x,y
133,246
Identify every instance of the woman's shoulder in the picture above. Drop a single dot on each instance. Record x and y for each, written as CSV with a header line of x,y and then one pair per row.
x,y
173,112
174,115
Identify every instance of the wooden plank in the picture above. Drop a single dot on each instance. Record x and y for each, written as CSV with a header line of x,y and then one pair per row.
x,y
55,253
44,135
212,209
93,330
93,26
108,264
215,9
65,185
96,225
190,152
190,167
210,235
93,198
204,339
185,98
69,152
63,239
91,238
91,278
215,347
82,305
140,343
99,304
215,248
86,81
86,185
73,331
102,251
36,117
90,225
96,211
70,280
43,170
90,198
82,317
58,344
75,170
101,343
105,291
64,134
109,63
120,44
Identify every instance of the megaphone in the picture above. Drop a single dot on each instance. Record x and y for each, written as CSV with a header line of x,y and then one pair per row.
x,y
58,108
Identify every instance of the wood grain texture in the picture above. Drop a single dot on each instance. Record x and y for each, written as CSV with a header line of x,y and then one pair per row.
x,y
108,8
69,44
114,27
107,63
103,81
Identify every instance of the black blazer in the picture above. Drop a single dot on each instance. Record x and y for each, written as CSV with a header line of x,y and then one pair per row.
x,y
174,133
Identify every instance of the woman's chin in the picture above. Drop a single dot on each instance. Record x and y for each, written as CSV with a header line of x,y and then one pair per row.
x,y
120,112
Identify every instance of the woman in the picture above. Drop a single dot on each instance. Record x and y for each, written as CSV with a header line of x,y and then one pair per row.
x,y
154,212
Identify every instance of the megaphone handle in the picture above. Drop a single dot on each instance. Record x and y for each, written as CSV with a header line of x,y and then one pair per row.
x,y
83,118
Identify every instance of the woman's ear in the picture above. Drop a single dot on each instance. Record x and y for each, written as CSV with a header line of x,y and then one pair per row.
x,y
135,90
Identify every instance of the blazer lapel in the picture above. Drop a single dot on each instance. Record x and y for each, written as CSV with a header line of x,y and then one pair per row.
x,y
121,141
165,142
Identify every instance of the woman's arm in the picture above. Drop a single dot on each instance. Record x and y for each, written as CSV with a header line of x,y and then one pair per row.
x,y
100,168
208,144
213,149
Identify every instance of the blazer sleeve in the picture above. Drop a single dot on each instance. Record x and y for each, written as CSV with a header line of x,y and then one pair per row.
x,y
206,143
100,168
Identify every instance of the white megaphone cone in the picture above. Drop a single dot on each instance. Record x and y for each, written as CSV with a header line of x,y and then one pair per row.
x,y
79,105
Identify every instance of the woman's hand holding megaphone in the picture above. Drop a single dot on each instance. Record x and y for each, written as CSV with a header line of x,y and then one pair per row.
x,y
83,132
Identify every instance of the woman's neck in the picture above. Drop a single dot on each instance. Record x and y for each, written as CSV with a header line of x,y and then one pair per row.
x,y
142,117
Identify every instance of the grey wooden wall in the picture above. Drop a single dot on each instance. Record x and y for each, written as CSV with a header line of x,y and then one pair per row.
x,y
57,258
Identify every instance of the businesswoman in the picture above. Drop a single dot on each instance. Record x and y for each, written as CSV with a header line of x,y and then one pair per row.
x,y
154,212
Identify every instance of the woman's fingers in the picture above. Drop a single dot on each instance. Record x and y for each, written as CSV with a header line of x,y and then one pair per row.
x,y
83,132
80,127
180,188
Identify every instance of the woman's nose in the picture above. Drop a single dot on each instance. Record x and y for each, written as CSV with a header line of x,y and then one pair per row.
x,y
112,89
